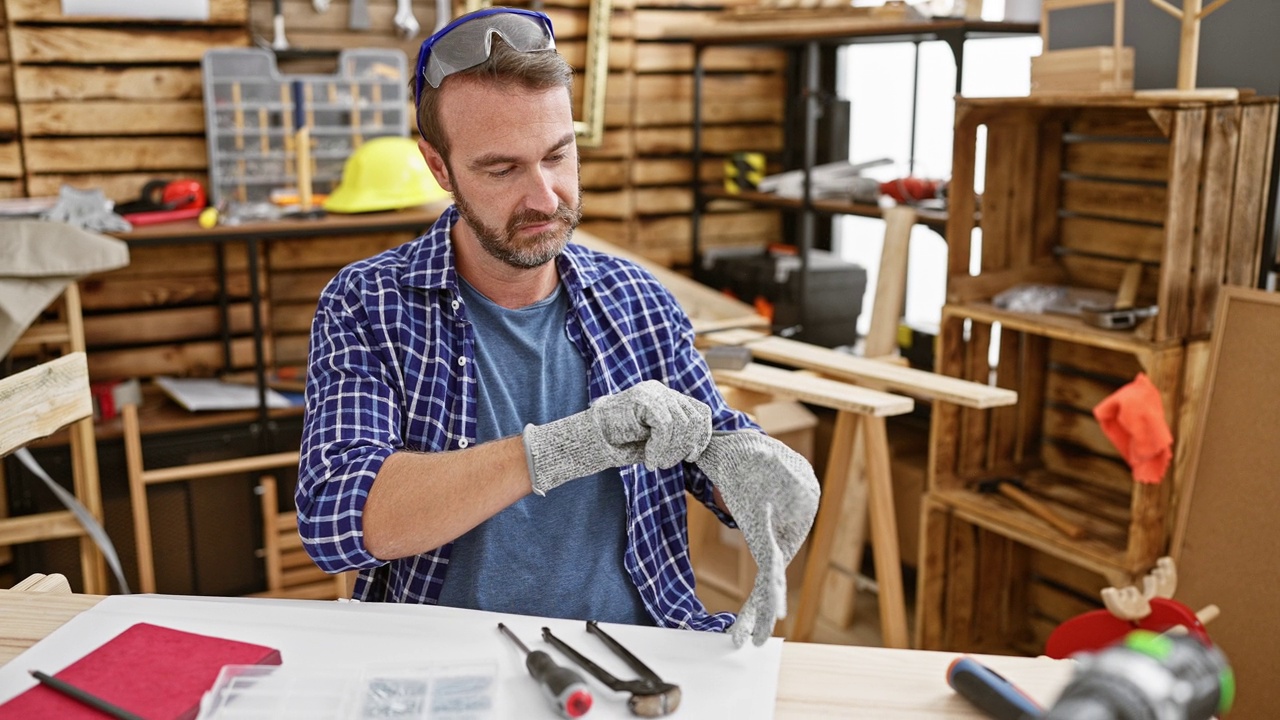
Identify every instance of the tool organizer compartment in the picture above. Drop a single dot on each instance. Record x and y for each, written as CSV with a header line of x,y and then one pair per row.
x,y
1000,596
1051,442
1078,190
251,111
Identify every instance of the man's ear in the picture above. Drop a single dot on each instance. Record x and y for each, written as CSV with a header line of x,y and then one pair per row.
x,y
435,161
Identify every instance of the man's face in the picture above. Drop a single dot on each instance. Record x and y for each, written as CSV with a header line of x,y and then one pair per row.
x,y
513,168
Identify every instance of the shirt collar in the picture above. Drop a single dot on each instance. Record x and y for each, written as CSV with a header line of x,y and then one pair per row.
x,y
432,263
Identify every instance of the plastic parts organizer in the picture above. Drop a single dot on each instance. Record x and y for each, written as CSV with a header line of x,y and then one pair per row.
x,y
252,114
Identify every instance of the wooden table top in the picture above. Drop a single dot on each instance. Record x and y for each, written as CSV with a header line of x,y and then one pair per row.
x,y
815,681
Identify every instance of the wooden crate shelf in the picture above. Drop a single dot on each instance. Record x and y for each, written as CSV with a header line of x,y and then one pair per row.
x,y
1078,189
1051,440
1001,596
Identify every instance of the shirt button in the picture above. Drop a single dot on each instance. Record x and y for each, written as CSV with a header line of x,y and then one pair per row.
x,y
462,361
455,304
463,443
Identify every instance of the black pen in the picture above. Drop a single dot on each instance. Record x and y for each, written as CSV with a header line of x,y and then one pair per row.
x,y
83,696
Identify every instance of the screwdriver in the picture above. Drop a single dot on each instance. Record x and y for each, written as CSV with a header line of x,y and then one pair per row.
x,y
562,686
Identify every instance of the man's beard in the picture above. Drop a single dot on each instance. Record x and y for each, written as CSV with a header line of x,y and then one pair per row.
x,y
532,252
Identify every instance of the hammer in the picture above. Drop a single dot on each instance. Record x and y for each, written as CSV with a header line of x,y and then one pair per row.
x,y
1012,489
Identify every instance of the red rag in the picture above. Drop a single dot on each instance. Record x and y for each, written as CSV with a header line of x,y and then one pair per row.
x,y
1133,420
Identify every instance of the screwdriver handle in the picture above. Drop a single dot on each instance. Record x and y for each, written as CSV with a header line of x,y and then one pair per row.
x,y
998,698
562,686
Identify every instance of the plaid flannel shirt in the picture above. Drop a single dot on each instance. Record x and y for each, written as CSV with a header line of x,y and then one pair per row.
x,y
391,368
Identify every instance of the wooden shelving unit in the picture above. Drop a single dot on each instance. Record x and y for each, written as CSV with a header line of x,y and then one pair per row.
x,y
1080,192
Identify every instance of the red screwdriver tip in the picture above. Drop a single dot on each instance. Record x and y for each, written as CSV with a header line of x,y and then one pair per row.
x,y
577,704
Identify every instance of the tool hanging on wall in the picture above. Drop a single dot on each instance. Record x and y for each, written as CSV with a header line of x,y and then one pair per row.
x,y
444,13
278,40
405,22
358,15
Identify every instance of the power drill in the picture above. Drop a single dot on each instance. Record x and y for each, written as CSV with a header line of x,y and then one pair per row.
x,y
1148,677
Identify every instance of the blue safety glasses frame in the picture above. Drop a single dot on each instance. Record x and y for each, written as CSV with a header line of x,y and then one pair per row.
x,y
447,52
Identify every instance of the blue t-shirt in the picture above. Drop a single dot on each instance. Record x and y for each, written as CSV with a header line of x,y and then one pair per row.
x,y
558,555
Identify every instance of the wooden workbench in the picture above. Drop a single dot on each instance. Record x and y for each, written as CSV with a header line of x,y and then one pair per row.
x,y
814,681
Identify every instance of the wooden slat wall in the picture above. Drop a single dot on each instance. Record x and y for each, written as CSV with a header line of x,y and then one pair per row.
x,y
743,109
10,148
110,104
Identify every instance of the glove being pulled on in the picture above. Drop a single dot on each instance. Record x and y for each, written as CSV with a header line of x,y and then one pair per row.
x,y
647,423
772,493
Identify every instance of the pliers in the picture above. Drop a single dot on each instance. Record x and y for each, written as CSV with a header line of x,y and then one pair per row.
x,y
650,695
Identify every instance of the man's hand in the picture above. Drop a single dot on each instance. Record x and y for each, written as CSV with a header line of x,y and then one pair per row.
x,y
647,423
772,493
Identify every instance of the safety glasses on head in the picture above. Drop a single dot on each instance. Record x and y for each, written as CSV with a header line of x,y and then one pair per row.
x,y
467,41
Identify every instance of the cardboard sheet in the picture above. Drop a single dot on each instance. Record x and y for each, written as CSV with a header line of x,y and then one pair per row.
x,y
718,680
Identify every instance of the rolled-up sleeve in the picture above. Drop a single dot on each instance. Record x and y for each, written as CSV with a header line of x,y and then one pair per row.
x,y
352,426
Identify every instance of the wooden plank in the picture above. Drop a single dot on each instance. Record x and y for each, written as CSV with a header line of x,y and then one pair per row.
x,y
1118,160
111,117
8,120
169,325
814,390
997,196
1031,396
72,82
42,526
186,359
1107,274
1253,184
1104,472
124,154
6,80
933,571
1132,241
11,161
1174,292
330,253
663,200
714,112
962,193
220,12
1222,143
655,57
43,399
1078,392
289,318
871,373
1115,122
1089,359
1078,429
1119,201
974,425
300,285
719,140
49,44
737,86
109,292
603,174
673,171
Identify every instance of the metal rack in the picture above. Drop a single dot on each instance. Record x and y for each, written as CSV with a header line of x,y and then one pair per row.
x,y
806,42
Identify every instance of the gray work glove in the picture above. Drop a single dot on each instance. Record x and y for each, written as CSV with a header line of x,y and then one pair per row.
x,y
772,493
647,423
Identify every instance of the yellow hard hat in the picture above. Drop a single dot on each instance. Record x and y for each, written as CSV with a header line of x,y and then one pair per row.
x,y
386,173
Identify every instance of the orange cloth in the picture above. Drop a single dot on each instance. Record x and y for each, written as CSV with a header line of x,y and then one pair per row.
x,y
1133,420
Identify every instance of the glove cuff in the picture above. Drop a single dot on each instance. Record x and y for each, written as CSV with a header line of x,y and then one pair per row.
x,y
563,450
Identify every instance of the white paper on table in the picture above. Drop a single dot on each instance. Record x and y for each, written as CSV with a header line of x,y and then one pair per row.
x,y
717,679
209,394
146,9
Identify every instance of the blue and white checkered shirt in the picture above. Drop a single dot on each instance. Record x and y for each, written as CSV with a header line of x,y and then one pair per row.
x,y
391,368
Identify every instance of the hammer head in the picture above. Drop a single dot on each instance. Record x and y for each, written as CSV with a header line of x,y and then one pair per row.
x,y
663,700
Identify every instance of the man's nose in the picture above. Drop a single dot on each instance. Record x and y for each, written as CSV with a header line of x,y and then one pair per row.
x,y
541,193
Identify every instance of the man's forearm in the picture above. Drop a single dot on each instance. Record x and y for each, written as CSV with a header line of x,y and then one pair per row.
x,y
420,501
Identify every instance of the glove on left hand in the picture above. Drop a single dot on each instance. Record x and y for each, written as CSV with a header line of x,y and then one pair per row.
x,y
772,493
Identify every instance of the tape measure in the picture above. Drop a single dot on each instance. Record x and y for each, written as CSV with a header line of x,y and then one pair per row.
x,y
743,171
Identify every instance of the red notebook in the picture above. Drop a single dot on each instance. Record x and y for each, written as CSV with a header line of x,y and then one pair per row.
x,y
156,672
